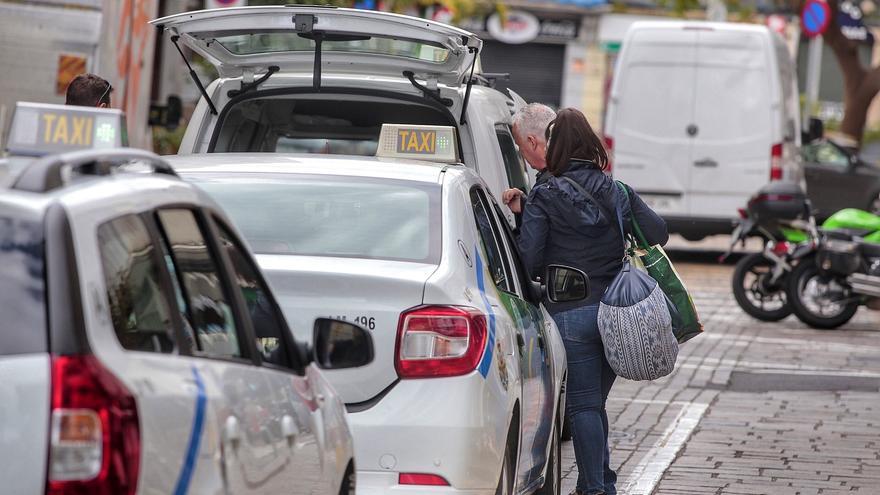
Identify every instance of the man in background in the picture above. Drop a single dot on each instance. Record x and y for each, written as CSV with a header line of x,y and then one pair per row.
x,y
89,90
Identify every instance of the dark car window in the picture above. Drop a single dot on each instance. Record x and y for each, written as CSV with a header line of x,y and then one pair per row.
x,y
513,161
138,308
268,324
209,312
22,285
825,153
491,243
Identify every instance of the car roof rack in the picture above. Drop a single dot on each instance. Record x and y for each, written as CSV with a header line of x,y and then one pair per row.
x,y
52,172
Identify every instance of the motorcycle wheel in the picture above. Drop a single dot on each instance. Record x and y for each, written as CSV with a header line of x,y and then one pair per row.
x,y
752,293
807,294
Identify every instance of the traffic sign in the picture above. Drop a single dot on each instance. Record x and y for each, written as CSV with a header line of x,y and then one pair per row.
x,y
815,17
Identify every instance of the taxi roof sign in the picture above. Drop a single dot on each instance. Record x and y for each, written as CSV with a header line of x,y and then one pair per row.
x,y
434,143
40,129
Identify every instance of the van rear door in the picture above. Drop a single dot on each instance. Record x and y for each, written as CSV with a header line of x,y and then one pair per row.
x,y
650,110
735,101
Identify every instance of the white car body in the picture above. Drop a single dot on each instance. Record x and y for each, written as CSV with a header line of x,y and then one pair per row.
x,y
456,427
700,115
349,82
203,423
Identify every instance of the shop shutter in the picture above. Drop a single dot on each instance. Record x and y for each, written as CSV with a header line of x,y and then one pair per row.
x,y
535,69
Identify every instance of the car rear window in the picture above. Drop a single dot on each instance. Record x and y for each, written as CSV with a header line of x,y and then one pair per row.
x,y
256,43
348,217
22,285
329,123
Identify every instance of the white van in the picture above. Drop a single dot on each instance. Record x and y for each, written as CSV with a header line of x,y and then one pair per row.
x,y
701,115
307,79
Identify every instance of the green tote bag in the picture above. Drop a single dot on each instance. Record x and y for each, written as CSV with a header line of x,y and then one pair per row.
x,y
686,325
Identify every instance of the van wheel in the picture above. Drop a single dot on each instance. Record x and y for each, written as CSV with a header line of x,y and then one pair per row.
x,y
505,482
554,466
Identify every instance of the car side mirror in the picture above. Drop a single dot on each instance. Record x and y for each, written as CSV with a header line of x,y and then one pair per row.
x,y
339,345
566,284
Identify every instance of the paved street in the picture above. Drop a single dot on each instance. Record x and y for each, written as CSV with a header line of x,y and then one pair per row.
x,y
752,408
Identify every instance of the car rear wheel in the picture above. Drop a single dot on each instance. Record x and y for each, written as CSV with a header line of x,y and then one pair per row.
x,y
554,465
505,482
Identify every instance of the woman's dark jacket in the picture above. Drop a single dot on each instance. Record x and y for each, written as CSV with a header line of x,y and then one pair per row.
x,y
561,226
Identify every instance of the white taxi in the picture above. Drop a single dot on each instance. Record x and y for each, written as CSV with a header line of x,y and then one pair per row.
x,y
314,79
141,349
466,393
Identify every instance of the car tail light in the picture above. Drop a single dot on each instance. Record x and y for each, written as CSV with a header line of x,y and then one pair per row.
x,y
439,341
94,445
742,213
608,141
776,162
421,479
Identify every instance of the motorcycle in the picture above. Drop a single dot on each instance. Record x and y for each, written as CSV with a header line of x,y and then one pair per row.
x,y
841,273
781,215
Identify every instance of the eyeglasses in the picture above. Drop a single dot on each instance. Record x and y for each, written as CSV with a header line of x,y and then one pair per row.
x,y
106,92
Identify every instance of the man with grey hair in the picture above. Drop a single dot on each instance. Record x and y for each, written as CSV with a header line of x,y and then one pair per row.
x,y
529,125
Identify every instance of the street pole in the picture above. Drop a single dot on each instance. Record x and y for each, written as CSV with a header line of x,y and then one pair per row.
x,y
814,72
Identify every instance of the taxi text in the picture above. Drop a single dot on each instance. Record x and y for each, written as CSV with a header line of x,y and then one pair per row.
x,y
413,141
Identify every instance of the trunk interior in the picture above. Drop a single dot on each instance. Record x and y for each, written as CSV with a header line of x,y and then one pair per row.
x,y
306,123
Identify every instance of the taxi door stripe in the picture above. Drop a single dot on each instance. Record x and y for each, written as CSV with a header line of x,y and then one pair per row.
x,y
486,362
195,437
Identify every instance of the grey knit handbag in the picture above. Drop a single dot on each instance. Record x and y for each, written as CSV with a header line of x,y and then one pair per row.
x,y
634,317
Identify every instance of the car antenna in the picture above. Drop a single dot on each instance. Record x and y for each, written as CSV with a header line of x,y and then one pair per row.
x,y
470,83
193,75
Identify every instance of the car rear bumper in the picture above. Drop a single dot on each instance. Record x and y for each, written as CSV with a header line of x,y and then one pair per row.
x,y
455,428
698,227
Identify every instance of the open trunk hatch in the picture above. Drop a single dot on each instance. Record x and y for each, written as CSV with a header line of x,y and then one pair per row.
x,y
251,39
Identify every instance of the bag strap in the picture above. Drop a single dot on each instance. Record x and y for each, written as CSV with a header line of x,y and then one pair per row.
x,y
605,210
640,237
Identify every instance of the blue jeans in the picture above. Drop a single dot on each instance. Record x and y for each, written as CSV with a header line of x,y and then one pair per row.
x,y
589,381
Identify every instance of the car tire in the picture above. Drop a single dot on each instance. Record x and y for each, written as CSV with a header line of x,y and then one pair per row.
x,y
553,479
348,482
751,265
508,470
803,273
874,205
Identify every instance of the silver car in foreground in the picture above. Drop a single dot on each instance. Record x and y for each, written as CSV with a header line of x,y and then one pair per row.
x,y
466,392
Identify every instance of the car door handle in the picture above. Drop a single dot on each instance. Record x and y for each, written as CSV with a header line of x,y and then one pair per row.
x,y
232,431
289,429
706,163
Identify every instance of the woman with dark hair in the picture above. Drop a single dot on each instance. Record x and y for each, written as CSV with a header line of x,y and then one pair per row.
x,y
561,225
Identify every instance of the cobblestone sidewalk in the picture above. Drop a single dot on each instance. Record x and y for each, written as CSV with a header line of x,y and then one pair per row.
x,y
752,408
